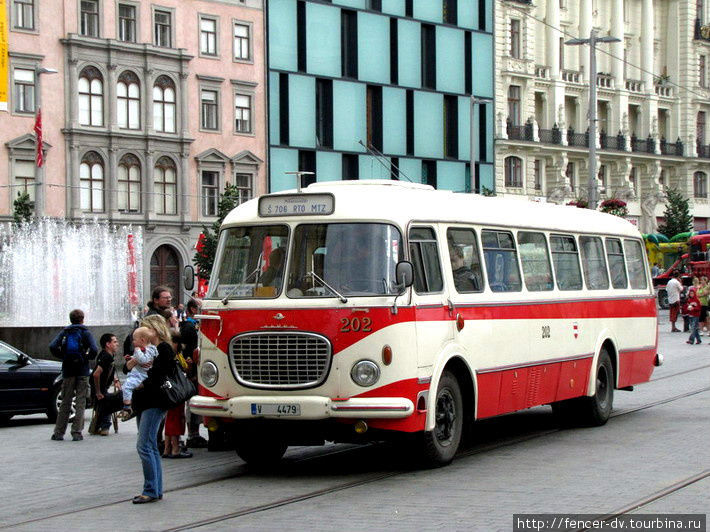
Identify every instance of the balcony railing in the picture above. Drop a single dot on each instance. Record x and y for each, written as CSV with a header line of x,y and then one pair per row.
x,y
605,81
550,136
646,145
542,72
634,85
671,148
571,76
664,90
703,151
611,142
577,139
518,132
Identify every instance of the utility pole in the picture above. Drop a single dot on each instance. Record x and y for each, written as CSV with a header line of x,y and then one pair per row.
x,y
592,42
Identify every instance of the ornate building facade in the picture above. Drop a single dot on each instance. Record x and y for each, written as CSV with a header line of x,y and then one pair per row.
x,y
153,107
653,102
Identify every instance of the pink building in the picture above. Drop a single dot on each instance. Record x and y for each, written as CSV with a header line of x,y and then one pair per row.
x,y
154,107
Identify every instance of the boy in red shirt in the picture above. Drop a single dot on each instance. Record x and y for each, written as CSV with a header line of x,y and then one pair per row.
x,y
693,309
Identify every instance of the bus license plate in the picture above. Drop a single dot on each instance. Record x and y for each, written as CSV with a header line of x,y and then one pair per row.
x,y
280,409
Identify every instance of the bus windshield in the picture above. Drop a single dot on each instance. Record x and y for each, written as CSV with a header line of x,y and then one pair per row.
x,y
354,259
250,262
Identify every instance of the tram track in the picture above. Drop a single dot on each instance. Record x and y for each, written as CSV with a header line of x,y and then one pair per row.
x,y
243,470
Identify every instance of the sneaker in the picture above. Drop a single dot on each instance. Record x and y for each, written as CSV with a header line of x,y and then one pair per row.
x,y
77,437
196,442
57,437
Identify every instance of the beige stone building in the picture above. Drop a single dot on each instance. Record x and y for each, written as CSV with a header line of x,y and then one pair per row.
x,y
653,95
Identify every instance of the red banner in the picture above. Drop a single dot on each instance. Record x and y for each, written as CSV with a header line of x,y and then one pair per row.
x,y
132,275
38,134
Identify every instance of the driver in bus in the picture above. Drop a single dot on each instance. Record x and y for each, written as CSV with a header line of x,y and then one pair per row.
x,y
273,274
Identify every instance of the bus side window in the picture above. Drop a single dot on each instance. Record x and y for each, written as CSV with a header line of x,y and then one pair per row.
x,y
593,263
615,256
535,261
425,258
566,262
636,264
465,260
501,261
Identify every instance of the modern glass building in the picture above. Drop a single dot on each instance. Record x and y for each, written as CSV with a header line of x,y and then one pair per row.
x,y
397,76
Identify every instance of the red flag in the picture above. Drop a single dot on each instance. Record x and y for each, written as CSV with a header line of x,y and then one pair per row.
x,y
38,134
132,274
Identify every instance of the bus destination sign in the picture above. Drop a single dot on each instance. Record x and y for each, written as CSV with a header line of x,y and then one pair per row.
x,y
296,205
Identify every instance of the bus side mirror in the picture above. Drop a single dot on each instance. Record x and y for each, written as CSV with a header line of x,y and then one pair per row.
x,y
404,273
189,278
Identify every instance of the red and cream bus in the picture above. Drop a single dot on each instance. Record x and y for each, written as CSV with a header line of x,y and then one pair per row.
x,y
356,311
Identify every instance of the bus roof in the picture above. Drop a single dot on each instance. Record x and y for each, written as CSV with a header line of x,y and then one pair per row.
x,y
402,202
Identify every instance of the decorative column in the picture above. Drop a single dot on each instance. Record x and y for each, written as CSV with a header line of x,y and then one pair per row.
x,y
149,196
184,188
617,48
185,132
112,182
585,28
73,190
552,38
148,100
111,95
73,91
650,105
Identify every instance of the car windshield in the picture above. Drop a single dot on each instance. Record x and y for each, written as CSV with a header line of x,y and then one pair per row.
x,y
354,259
249,263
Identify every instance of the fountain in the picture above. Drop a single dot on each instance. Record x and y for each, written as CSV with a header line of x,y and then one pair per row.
x,y
49,267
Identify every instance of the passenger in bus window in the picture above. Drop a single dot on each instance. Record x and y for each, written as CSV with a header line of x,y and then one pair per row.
x,y
497,280
464,278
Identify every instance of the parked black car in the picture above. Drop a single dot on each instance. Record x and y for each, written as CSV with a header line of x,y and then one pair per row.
x,y
28,385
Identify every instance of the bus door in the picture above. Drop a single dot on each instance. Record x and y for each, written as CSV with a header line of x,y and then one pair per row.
x,y
434,323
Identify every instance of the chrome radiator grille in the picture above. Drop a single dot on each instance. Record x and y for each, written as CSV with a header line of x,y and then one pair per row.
x,y
280,360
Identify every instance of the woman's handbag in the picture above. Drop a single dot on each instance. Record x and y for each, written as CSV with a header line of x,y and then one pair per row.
x,y
175,390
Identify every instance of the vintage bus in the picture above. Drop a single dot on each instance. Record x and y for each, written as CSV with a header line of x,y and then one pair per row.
x,y
372,310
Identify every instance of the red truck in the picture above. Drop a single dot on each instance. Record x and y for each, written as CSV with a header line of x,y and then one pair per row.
x,y
695,263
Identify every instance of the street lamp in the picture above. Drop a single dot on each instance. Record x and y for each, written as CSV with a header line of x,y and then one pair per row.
x,y
592,42
474,151
39,196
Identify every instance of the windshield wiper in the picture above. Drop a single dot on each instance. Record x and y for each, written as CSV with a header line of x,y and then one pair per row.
x,y
246,279
340,296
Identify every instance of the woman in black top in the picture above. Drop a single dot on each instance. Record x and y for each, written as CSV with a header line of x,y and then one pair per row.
x,y
146,401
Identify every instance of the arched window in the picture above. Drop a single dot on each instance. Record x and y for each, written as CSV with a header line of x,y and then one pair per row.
x,y
129,101
164,105
165,186
91,178
633,181
129,184
91,97
513,172
700,185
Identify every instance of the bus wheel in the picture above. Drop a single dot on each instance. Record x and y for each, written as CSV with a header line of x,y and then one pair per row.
x,y
261,453
439,446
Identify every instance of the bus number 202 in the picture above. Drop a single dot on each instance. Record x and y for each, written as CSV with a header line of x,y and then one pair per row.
x,y
545,331
355,325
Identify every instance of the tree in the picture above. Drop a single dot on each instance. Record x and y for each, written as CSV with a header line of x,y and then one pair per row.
x,y
23,208
207,242
677,214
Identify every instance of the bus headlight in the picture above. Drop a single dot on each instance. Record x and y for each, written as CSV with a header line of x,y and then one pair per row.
x,y
365,373
209,373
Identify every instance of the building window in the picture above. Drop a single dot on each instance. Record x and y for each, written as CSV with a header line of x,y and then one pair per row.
x,y
700,185
429,175
562,54
209,109
164,105
662,178
91,97
410,122
301,38
515,38
450,12
165,181
513,172
409,8
91,177
127,23
208,36
451,126
538,175
428,42
24,14
700,10
632,180
129,184
394,51
283,108
24,85
601,178
348,43
162,22
351,168
307,163
700,127
89,26
210,193
242,113
374,5
374,117
701,71
571,179
129,101
243,184
241,42
324,113
514,105
24,172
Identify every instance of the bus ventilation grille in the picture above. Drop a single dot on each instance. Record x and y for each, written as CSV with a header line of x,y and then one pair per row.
x,y
280,360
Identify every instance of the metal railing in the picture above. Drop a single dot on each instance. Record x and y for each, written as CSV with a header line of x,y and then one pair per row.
x,y
671,148
571,76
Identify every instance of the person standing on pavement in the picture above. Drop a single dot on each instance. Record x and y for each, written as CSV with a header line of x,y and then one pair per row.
x,y
693,309
75,347
188,334
160,300
673,290
104,375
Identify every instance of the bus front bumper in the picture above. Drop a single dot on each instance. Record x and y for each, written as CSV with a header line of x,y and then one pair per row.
x,y
301,407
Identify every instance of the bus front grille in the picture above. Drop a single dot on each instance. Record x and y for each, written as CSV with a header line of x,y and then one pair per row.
x,y
280,360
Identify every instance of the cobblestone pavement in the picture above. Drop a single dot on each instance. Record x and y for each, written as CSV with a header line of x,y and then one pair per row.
x,y
87,485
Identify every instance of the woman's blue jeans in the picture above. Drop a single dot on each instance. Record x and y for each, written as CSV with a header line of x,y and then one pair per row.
x,y
147,446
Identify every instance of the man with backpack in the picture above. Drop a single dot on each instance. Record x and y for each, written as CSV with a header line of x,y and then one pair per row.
x,y
75,347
